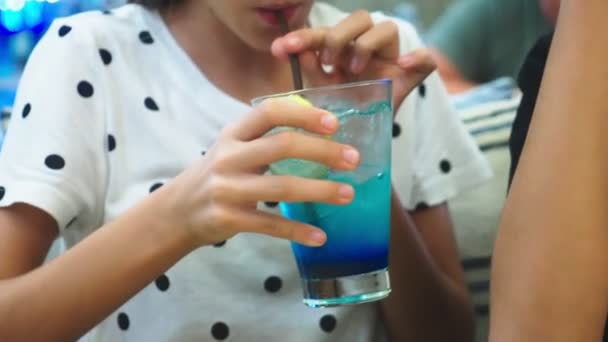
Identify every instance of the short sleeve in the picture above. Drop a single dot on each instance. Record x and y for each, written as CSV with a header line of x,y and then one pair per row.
x,y
53,154
446,158
443,158
461,35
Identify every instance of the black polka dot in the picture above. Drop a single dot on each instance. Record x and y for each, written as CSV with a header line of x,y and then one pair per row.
x,y
64,30
111,143
150,104
328,323
203,153
445,166
220,331
396,130
146,37
123,321
71,222
2,192
220,244
54,162
422,90
271,204
85,89
162,283
155,187
106,56
106,12
273,284
26,110
421,206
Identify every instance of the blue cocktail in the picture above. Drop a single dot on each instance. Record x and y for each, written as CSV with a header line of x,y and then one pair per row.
x,y
352,267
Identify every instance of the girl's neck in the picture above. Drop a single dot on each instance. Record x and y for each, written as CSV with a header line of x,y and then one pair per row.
x,y
232,65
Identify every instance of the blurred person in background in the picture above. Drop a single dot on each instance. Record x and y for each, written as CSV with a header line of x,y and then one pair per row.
x,y
478,41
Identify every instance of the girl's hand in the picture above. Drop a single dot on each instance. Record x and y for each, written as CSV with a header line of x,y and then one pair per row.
x,y
356,49
217,197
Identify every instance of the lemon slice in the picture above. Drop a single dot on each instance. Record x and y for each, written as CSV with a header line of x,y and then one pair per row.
x,y
299,167
299,100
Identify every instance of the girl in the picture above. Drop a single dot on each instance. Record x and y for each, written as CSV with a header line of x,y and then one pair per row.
x,y
133,139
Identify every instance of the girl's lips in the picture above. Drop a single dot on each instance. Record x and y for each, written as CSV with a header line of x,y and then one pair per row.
x,y
269,14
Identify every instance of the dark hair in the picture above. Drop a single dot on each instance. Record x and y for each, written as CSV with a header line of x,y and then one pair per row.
x,y
156,4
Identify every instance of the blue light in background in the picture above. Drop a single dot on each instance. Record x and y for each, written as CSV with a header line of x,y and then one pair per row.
x,y
19,15
15,5
22,24
12,20
33,13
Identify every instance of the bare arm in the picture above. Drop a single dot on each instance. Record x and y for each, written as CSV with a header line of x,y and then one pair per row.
x,y
75,282
429,301
549,280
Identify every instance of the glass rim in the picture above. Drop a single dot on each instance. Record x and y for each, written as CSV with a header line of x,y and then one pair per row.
x,y
332,87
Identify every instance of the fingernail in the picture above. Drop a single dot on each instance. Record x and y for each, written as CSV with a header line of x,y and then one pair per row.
x,y
326,57
329,121
345,191
317,237
351,156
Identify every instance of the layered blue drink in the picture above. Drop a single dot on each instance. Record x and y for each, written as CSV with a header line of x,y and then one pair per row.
x,y
357,234
352,267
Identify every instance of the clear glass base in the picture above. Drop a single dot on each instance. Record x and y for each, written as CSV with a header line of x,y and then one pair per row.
x,y
357,289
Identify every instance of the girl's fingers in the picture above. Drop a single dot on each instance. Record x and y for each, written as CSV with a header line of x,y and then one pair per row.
x,y
316,76
342,35
291,144
299,41
329,43
253,221
275,112
381,41
244,188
